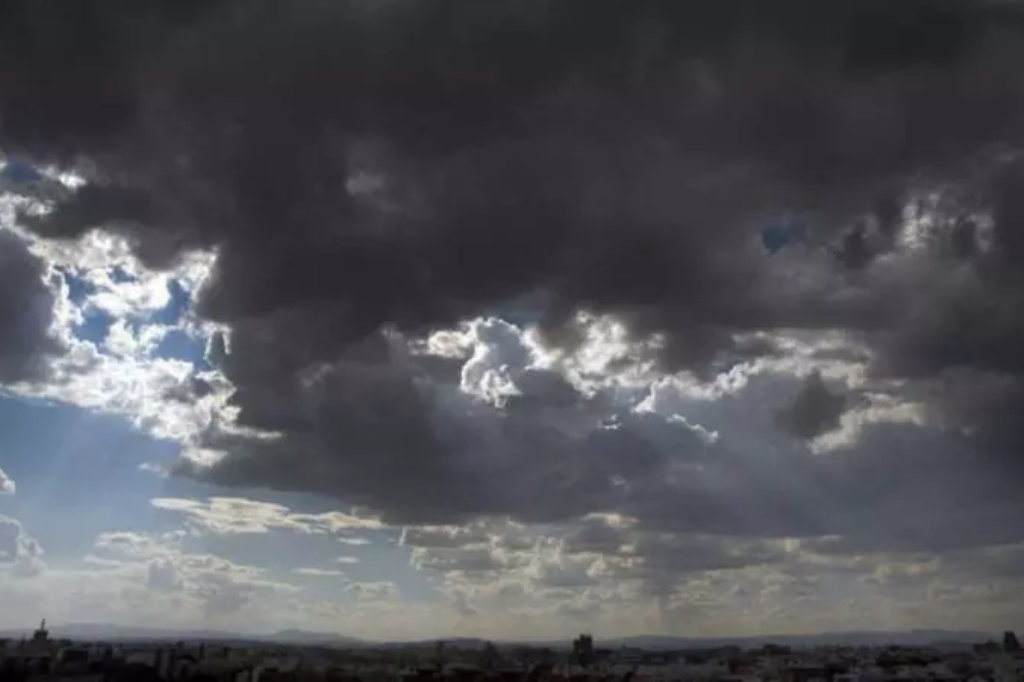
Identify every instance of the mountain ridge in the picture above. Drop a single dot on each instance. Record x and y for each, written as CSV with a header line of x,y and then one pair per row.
x,y
292,636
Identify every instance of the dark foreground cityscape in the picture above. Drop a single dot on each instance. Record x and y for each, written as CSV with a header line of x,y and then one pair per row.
x,y
39,657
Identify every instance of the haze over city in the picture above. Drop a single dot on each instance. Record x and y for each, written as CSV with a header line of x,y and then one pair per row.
x,y
406,320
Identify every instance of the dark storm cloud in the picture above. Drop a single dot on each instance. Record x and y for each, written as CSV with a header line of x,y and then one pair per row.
x,y
503,149
376,429
814,410
26,313
895,487
900,487
369,166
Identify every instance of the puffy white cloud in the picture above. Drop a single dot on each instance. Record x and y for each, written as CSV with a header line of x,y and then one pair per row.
x,y
10,532
20,553
7,485
213,586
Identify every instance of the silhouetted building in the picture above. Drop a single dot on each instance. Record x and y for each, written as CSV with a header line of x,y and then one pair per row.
x,y
41,635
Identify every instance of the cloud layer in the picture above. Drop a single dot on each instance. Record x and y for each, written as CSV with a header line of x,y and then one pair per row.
x,y
502,264
26,313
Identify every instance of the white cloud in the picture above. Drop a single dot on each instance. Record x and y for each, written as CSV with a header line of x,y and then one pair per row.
x,y
537,580
20,553
155,468
321,572
136,387
443,537
123,374
139,546
216,587
142,295
10,532
374,591
233,515
7,486
354,542
134,341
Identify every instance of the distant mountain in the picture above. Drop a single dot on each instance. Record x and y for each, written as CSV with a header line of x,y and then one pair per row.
x,y
313,638
100,632
118,633
851,638
103,631
449,642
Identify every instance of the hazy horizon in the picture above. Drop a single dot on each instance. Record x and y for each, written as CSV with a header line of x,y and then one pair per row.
x,y
919,635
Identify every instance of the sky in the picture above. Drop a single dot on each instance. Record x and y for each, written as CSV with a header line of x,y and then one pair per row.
x,y
512,319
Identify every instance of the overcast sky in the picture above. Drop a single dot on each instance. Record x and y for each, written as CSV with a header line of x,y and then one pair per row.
x,y
407,319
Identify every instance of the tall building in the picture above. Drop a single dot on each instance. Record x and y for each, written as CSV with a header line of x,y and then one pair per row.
x,y
42,634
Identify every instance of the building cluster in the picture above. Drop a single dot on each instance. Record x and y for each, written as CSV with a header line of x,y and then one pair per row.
x,y
40,658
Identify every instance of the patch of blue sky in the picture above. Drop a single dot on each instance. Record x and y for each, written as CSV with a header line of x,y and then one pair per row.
x,y
79,289
78,473
78,476
178,344
776,236
523,311
20,172
96,323
784,230
390,563
23,179
94,327
382,560
279,550
121,276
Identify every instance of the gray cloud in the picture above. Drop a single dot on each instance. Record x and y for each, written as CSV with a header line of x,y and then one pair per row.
x,y
463,560
595,535
668,555
997,562
364,169
584,159
373,428
26,313
7,484
901,487
162,574
814,410
529,141
19,550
